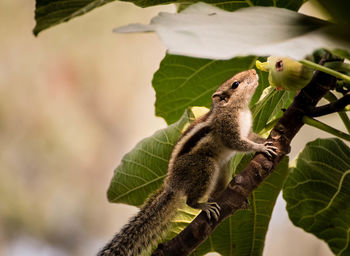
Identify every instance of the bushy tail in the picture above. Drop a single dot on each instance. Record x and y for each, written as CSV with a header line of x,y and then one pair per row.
x,y
146,228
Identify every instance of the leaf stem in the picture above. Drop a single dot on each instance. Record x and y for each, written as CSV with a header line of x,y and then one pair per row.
x,y
342,114
324,127
324,69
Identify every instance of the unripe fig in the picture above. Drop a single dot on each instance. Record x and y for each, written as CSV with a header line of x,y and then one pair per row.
x,y
286,73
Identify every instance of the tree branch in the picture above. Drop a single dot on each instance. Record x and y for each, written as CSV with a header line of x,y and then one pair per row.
x,y
242,185
330,108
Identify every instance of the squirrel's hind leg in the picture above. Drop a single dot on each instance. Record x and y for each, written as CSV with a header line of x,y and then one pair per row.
x,y
197,194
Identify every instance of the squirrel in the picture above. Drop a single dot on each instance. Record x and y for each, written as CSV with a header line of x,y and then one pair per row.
x,y
198,166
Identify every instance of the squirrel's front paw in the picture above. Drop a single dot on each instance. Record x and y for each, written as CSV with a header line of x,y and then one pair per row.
x,y
268,149
212,209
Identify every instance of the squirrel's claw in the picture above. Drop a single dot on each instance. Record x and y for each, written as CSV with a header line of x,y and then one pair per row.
x,y
212,209
269,150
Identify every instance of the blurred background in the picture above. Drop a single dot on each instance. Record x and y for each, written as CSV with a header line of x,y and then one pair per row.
x,y
73,101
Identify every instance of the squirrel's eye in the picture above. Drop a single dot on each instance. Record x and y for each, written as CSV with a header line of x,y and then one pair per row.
x,y
235,85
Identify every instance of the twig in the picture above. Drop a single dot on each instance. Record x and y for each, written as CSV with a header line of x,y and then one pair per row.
x,y
342,114
336,105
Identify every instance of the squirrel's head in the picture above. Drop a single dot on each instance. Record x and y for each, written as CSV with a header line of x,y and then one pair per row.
x,y
236,91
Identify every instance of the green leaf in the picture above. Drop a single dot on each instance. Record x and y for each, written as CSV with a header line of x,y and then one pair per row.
x,y
270,107
205,31
317,192
143,169
181,82
52,12
244,232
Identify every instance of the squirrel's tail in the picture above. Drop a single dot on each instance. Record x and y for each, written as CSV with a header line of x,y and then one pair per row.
x,y
146,228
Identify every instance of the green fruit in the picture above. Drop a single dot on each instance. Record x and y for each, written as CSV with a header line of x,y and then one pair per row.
x,y
286,73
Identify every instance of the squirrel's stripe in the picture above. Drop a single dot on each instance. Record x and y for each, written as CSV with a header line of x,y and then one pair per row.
x,y
194,139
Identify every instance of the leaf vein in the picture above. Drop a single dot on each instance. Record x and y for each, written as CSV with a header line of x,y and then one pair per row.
x,y
137,187
331,200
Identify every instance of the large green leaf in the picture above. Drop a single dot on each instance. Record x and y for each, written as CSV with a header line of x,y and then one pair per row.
x,y
205,31
243,233
143,169
181,82
317,192
52,12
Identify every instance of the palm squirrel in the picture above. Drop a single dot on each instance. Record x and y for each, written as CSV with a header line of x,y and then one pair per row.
x,y
197,167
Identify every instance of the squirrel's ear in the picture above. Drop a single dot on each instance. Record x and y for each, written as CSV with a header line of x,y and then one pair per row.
x,y
219,98
216,94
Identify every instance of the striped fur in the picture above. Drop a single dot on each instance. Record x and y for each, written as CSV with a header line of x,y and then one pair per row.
x,y
146,228
184,143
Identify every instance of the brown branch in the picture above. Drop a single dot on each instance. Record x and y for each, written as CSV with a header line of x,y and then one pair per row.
x,y
330,108
242,185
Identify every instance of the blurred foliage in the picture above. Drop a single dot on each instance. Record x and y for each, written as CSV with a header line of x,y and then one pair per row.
x,y
61,132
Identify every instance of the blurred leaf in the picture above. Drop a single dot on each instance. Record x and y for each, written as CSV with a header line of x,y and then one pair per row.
x,y
317,192
270,107
52,12
244,232
205,31
143,169
181,82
